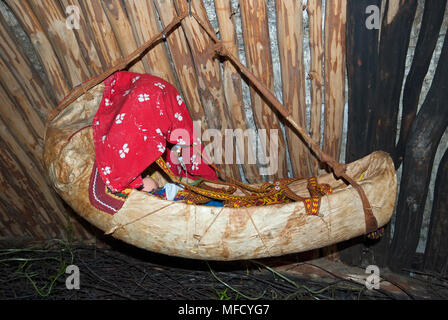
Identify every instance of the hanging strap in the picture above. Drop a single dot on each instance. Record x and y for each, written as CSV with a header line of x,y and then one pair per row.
x,y
220,49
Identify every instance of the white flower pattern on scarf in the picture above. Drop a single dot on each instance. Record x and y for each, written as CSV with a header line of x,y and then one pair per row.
x,y
178,116
179,100
135,79
143,97
195,164
161,148
124,151
119,119
161,86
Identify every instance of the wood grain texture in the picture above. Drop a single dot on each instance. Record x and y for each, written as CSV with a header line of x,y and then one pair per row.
x,y
233,87
427,40
314,9
259,61
17,123
290,41
101,30
32,204
334,49
143,18
50,62
23,103
183,63
393,48
335,72
362,68
62,39
86,42
21,68
209,84
121,26
426,132
436,251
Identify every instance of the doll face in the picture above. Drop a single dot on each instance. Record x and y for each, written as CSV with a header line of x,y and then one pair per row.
x,y
149,184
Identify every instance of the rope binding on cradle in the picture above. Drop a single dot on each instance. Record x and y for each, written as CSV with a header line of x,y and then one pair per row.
x,y
221,50
267,194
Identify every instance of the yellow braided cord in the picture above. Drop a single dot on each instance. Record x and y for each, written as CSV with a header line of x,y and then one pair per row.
x,y
269,193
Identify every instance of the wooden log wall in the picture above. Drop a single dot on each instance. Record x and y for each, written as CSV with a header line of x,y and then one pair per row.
x,y
340,48
315,74
362,64
426,132
376,80
233,86
334,50
290,41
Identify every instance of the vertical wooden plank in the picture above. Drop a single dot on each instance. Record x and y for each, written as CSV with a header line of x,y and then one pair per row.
x,y
18,208
19,125
86,43
183,63
104,38
259,62
42,192
436,251
19,65
39,209
123,31
20,98
41,43
316,76
382,129
393,48
63,40
335,20
362,66
290,40
335,64
209,78
424,137
427,40
143,18
7,225
233,86
23,193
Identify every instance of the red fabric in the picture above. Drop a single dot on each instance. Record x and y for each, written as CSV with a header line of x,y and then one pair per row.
x,y
136,123
101,197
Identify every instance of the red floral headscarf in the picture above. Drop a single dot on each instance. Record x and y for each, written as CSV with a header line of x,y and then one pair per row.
x,y
139,115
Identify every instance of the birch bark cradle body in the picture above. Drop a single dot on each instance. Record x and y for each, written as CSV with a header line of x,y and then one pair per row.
x,y
213,233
